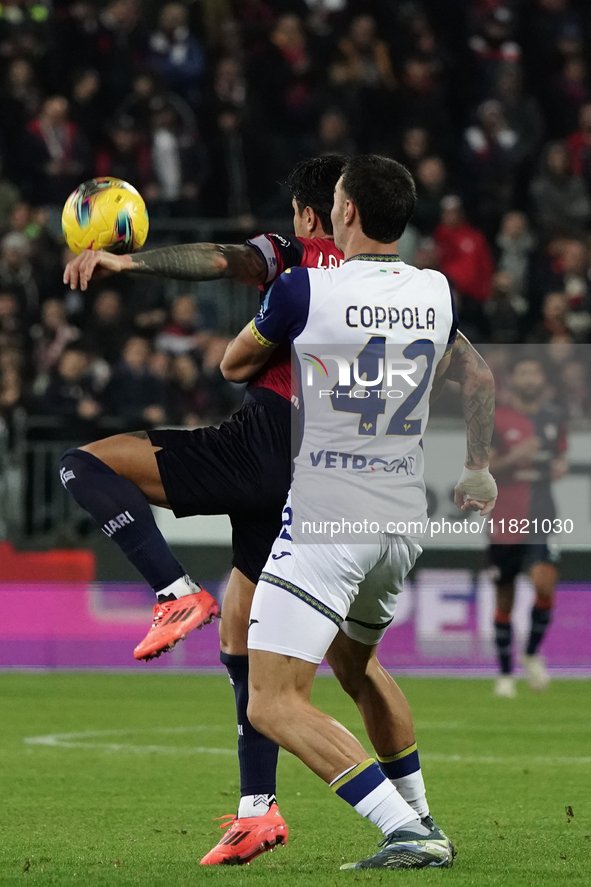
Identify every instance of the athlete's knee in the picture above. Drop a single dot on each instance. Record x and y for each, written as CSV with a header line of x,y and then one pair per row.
x,y
104,450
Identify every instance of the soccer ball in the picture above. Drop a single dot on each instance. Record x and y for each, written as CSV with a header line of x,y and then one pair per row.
x,y
105,213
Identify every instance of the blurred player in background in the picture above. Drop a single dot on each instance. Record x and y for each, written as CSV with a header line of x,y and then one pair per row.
x,y
243,469
528,453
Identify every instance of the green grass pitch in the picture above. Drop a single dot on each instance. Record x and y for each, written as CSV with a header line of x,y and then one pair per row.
x,y
130,798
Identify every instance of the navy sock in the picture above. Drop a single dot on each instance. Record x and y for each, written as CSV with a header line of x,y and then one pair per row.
x,y
123,513
540,620
257,754
503,640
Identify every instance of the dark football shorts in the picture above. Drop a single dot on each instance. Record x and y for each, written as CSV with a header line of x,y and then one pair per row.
x,y
242,469
510,560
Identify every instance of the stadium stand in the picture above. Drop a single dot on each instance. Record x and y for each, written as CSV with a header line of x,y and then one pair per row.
x,y
205,107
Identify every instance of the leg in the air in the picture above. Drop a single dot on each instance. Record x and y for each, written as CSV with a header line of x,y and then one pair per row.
x,y
115,480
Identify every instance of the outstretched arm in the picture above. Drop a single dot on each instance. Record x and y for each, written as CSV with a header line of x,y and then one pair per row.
x,y
192,261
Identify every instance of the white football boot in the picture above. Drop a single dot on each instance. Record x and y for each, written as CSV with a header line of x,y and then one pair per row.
x,y
535,672
505,686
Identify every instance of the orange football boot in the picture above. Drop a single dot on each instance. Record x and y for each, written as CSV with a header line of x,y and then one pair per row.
x,y
173,620
248,838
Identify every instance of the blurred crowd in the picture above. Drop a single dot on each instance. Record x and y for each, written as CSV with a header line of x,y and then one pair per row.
x,y
205,105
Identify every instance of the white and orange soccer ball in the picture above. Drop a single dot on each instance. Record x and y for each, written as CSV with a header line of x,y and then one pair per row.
x,y
105,213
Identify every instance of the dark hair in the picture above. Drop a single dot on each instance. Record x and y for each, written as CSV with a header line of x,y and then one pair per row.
x,y
312,183
384,193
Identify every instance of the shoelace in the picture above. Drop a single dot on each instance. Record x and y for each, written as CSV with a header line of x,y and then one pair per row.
x,y
231,817
163,611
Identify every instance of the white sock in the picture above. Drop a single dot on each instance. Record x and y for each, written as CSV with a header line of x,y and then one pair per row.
x,y
387,809
412,789
179,588
255,805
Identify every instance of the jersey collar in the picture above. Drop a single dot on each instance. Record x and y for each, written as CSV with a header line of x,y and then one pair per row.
x,y
375,257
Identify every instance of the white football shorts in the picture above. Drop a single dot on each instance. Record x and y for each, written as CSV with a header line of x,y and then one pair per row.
x,y
307,592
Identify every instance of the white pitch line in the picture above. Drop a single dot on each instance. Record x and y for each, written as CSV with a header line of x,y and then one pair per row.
x,y
79,740
467,727
490,759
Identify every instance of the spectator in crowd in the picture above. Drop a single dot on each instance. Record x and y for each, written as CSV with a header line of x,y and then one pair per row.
x,y
16,271
574,390
12,328
56,154
432,186
134,394
124,156
521,111
177,161
333,136
9,198
493,46
235,182
50,339
553,326
70,392
560,199
579,145
363,76
465,258
420,100
20,97
229,84
11,392
75,39
415,147
571,92
176,54
427,254
121,46
288,61
188,395
183,334
515,245
572,274
146,98
86,106
108,328
505,310
493,156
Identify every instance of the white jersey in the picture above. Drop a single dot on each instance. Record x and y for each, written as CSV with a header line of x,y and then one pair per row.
x,y
368,337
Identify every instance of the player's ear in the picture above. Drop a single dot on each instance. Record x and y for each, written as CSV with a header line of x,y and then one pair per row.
x,y
310,217
350,212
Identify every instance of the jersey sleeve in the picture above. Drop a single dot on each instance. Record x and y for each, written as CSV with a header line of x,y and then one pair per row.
x,y
279,251
284,312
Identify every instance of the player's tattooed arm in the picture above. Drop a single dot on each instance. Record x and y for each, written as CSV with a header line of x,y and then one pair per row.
x,y
470,370
192,261
204,261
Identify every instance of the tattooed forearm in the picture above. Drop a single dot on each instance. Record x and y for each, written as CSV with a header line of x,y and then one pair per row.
x,y
478,399
204,261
